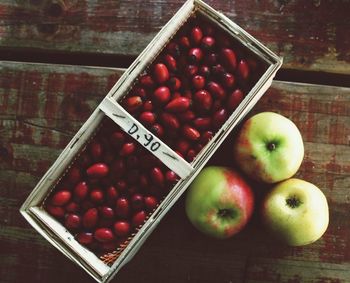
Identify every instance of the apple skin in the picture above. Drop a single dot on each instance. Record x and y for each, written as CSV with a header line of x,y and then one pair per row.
x,y
300,225
269,148
219,202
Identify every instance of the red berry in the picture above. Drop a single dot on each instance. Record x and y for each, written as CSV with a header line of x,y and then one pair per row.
x,y
72,221
196,35
228,80
243,69
198,82
174,83
97,196
139,218
191,70
104,235
85,238
74,175
56,211
228,58
170,176
72,207
148,105
170,121
121,228
219,118
97,170
186,116
161,95
202,123
206,137
234,99
184,42
96,150
203,100
106,212
151,202
117,139
112,193
195,55
208,42
157,129
182,146
216,90
127,149
146,81
157,176
137,201
179,104
133,103
81,190
90,218
170,62
190,133
147,118
61,198
161,73
122,207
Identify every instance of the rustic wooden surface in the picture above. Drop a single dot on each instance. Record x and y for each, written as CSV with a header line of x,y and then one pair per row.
x,y
310,35
41,107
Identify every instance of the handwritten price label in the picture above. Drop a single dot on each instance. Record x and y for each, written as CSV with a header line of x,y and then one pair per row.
x,y
146,139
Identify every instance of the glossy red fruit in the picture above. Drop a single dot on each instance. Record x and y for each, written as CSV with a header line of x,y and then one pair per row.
x,y
138,218
174,83
157,176
97,196
182,146
132,103
74,175
96,150
121,186
206,136
211,59
170,62
56,211
186,116
61,198
217,70
191,70
121,228
195,55
85,238
147,81
173,48
161,95
112,193
148,105
243,69
140,91
220,118
170,176
191,154
234,99
190,133
228,59
122,207
151,203
202,123
97,170
117,139
184,42
104,235
127,149
170,121
208,43
198,82
81,190
72,221
72,207
204,71
90,218
161,73
196,35
179,104
157,129
228,80
216,90
147,118
137,202
106,212
203,100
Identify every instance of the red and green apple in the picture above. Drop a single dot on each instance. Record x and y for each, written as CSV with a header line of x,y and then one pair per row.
x,y
219,202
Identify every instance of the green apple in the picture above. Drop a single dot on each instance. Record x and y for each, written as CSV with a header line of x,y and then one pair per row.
x,y
219,202
269,147
296,212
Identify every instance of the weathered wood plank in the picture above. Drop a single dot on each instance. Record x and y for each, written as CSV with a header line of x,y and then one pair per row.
x,y
310,35
37,119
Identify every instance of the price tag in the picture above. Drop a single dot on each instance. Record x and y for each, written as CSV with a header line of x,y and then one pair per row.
x,y
152,143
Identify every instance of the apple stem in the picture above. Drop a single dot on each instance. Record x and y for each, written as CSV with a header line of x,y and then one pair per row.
x,y
293,202
271,146
226,213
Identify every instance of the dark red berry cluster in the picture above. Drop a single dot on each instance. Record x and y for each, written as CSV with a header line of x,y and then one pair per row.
x,y
110,190
192,87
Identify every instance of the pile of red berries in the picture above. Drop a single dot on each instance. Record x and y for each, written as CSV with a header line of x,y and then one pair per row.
x,y
192,88
110,190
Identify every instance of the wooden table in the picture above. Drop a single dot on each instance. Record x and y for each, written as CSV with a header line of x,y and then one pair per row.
x,y
42,105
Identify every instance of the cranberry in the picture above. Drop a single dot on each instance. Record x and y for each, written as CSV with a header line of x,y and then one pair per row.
x,y
106,212
161,95
72,207
198,82
243,69
196,35
203,100
97,196
112,193
147,81
161,73
195,55
208,42
137,201
122,207
234,99
147,118
151,202
81,190
56,211
72,221
190,133
61,198
138,218
121,228
179,104
170,62
228,58
96,150
104,235
157,176
85,238
97,170
133,103
127,149
90,218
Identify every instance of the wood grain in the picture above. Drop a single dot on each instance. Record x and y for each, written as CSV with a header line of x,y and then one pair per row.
x,y
41,106
310,35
